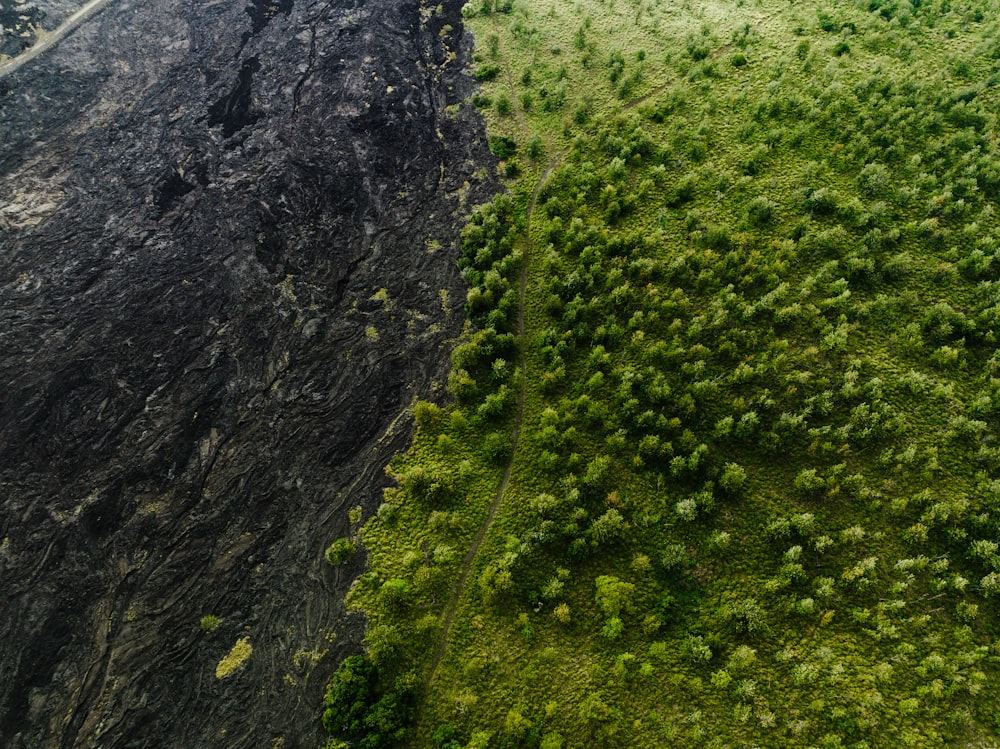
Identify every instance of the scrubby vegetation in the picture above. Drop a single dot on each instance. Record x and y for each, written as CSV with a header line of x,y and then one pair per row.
x,y
340,551
209,623
721,466
235,659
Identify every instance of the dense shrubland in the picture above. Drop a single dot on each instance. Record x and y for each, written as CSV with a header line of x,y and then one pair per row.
x,y
755,484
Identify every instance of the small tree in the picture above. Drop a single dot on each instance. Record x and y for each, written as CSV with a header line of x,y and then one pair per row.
x,y
611,526
809,483
733,479
340,551
350,692
358,711
613,595
745,616
760,210
394,594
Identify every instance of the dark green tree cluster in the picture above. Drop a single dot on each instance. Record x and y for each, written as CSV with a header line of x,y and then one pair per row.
x,y
484,367
360,710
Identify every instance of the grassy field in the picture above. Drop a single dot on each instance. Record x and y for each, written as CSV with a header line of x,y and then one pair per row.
x,y
720,466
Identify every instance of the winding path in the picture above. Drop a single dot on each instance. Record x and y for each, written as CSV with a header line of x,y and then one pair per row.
x,y
468,562
51,38
470,557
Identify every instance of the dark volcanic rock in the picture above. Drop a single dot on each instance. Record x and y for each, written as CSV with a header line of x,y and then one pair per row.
x,y
227,267
17,24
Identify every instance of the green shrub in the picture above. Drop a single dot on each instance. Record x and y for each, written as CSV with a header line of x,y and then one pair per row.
x,y
497,447
425,484
535,148
745,616
359,711
426,414
733,479
874,179
753,162
487,72
349,695
446,737
394,594
809,483
340,551
760,210
503,146
682,191
822,201
698,49
209,623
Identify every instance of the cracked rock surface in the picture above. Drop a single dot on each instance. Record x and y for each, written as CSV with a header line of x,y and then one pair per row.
x,y
228,241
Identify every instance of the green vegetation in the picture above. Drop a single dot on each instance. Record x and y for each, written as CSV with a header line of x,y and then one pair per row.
x,y
340,551
357,712
209,623
235,659
721,466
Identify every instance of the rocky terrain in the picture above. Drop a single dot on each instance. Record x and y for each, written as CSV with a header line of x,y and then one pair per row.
x,y
17,26
23,22
227,268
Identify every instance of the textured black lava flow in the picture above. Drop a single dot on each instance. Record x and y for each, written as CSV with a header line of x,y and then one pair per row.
x,y
201,204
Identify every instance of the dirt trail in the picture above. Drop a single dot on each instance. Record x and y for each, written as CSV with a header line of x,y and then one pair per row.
x,y
51,38
470,558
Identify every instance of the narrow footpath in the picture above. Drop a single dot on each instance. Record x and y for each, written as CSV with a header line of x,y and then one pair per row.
x,y
468,563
